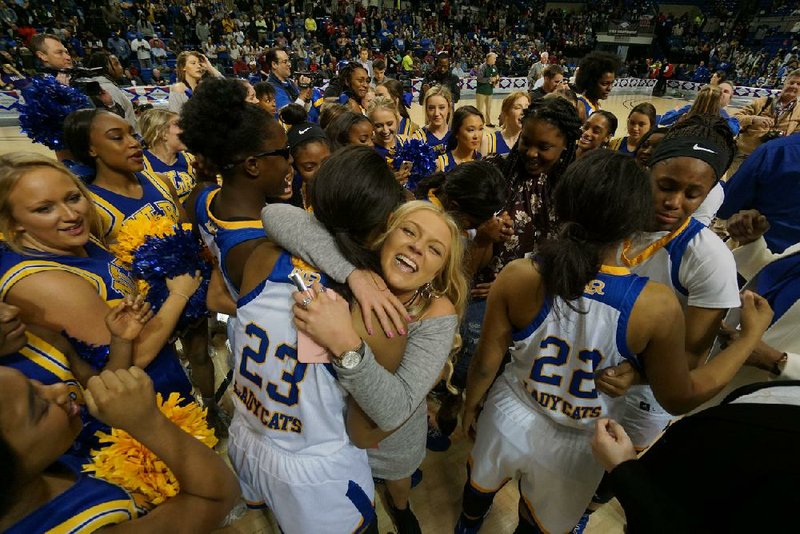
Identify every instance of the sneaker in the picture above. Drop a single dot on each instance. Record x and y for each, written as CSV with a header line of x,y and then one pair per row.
x,y
404,520
460,527
579,528
437,441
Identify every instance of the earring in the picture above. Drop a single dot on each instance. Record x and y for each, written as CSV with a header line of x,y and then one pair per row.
x,y
428,292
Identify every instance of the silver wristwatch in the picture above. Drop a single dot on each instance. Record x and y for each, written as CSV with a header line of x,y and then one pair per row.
x,y
351,358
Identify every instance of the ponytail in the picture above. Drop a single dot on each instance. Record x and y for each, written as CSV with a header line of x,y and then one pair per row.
x,y
569,261
431,183
601,199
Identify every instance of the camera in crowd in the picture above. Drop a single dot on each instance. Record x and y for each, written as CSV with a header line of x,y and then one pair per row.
x,y
76,74
316,78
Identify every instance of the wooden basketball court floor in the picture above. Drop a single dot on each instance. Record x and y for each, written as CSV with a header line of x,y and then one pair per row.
x,y
437,500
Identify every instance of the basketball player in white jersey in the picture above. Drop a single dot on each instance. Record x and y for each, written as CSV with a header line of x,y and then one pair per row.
x,y
567,313
289,443
681,253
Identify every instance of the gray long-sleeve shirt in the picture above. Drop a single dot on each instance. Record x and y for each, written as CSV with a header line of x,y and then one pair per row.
x,y
392,400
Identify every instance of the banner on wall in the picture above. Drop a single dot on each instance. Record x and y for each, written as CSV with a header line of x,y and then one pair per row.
x,y
158,95
681,89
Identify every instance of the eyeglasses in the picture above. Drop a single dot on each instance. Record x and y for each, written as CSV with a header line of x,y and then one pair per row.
x,y
284,152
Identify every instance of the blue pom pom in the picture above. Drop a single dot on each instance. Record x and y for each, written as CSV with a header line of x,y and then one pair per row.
x,y
422,158
94,355
165,257
47,102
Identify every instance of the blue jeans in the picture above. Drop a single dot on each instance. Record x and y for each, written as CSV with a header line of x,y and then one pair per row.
x,y
470,334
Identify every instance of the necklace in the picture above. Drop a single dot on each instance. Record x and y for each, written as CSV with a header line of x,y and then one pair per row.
x,y
413,298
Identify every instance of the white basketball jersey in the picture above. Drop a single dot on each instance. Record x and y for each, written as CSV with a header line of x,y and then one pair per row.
x,y
692,260
554,359
221,236
296,406
700,269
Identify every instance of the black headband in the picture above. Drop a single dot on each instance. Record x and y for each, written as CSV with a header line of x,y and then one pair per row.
x,y
693,147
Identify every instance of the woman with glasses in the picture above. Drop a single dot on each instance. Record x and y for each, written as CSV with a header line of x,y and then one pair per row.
x,y
248,147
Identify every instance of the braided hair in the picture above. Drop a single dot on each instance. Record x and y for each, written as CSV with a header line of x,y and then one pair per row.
x,y
602,199
707,126
341,84
559,113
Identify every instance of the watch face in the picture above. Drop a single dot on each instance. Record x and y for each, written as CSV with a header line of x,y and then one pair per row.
x,y
350,359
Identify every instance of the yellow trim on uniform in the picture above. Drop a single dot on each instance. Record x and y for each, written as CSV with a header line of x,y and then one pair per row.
x,y
190,159
159,184
110,216
615,143
614,269
29,267
442,162
97,517
433,199
652,248
147,165
583,98
47,357
529,506
470,462
492,143
228,225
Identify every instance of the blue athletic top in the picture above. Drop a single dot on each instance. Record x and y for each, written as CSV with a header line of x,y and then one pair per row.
x,y
113,282
39,360
180,173
497,144
114,209
622,146
221,236
404,128
438,145
388,153
87,506
768,181
588,106
671,117
779,283
448,161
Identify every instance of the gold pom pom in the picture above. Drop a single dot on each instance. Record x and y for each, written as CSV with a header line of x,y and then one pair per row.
x,y
132,466
135,231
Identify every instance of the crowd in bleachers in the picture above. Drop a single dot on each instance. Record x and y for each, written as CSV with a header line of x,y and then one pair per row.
x,y
561,294
146,36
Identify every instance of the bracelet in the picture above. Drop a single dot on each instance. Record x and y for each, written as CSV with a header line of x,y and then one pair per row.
x,y
180,295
